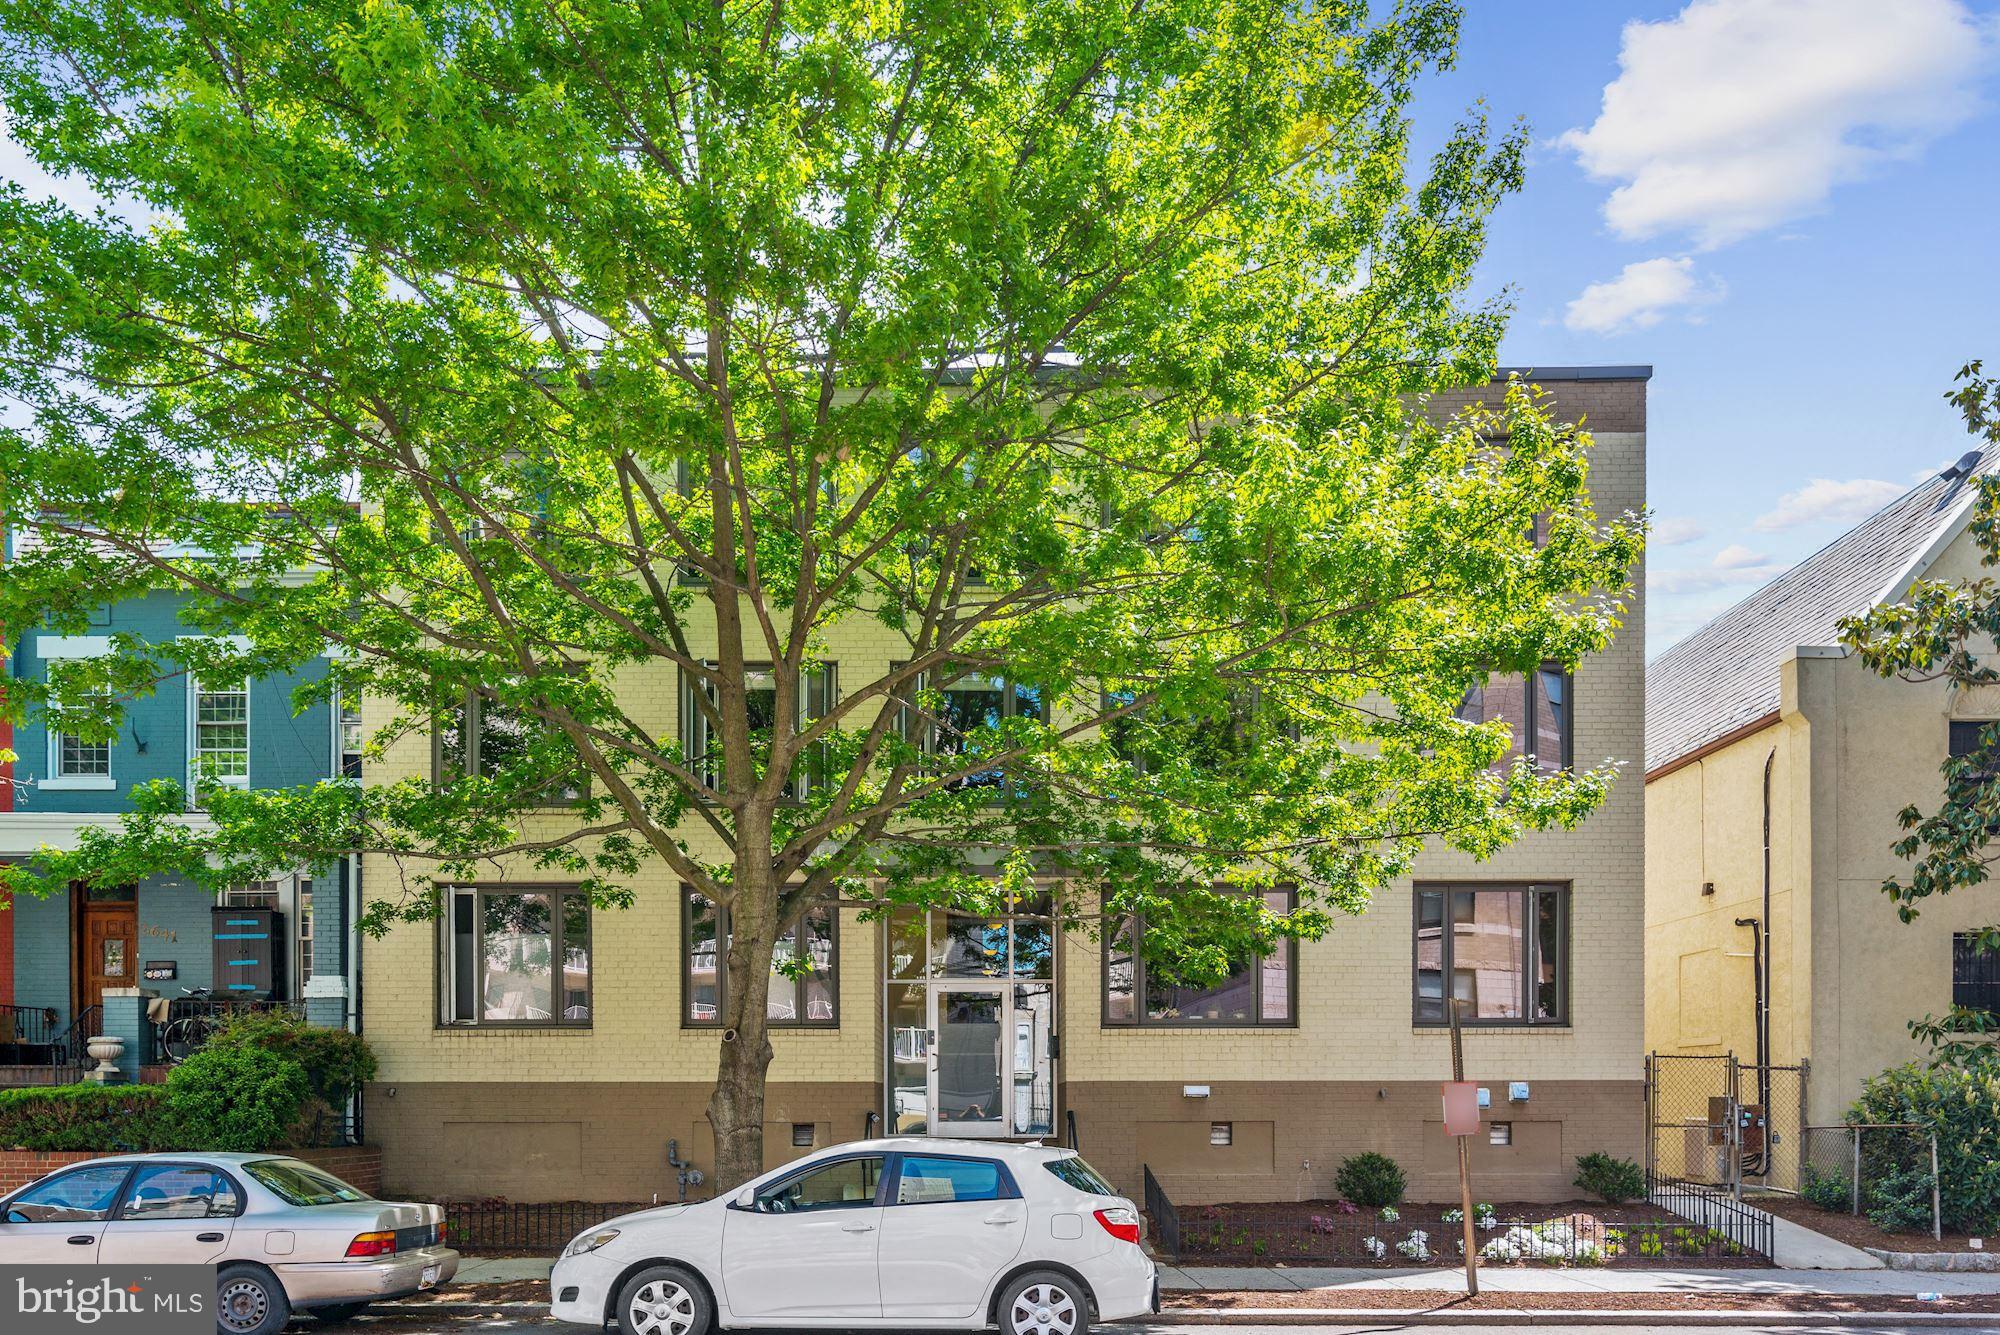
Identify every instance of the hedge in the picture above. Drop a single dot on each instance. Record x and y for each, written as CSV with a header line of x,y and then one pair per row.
x,y
105,1118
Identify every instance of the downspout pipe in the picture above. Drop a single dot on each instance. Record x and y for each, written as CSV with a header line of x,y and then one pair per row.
x,y
1760,955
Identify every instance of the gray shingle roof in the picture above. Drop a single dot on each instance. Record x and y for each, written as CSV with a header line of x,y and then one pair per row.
x,y
1726,674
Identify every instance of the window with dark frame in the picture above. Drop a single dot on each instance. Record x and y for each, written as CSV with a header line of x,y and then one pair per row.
x,y
515,956
972,701
811,1001
1538,711
482,737
1967,737
1505,948
1259,992
1975,974
816,699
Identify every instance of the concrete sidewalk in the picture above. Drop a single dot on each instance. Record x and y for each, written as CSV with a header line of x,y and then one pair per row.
x,y
1549,1279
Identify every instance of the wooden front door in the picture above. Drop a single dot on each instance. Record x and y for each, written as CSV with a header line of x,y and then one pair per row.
x,y
110,937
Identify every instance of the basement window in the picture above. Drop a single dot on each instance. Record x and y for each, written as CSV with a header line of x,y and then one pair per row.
x,y
1499,1133
1221,1133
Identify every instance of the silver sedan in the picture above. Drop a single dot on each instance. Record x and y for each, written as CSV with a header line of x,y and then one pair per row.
x,y
285,1236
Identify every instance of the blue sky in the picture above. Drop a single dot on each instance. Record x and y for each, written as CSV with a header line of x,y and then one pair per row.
x,y
1808,190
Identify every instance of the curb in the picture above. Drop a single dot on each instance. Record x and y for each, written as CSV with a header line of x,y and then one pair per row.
x,y
1568,1316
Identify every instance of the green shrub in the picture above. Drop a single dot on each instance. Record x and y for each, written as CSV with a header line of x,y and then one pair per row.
x,y
1962,1106
337,1064
1828,1191
238,1098
1900,1200
87,1117
1616,1180
1370,1180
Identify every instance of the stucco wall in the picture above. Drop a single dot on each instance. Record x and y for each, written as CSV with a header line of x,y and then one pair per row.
x,y
1852,750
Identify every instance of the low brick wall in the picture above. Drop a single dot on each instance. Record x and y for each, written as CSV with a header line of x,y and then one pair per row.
x,y
357,1165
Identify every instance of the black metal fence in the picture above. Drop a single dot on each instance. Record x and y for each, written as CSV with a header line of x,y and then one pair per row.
x,y
1166,1233
483,1228
28,1035
1719,1213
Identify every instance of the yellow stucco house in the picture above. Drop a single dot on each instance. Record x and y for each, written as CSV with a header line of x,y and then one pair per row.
x,y
1776,764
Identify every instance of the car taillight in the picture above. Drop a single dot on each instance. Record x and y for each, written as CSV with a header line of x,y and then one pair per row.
x,y
1120,1223
372,1244
439,1239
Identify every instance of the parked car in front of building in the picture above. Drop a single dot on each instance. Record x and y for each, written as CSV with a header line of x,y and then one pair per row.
x,y
905,1233
284,1235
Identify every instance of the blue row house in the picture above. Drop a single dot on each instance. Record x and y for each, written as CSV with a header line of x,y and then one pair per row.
x,y
284,941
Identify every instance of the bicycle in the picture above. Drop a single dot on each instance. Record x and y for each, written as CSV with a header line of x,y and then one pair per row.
x,y
179,1036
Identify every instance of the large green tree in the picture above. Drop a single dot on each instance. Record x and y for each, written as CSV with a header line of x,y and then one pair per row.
x,y
523,349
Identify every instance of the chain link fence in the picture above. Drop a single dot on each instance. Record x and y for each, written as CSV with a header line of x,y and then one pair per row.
x,y
1719,1123
1887,1171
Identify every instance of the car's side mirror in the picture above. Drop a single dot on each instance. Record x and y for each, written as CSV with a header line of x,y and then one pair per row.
x,y
746,1199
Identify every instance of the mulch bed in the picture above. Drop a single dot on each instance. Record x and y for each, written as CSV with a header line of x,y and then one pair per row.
x,y
500,1228
1860,1230
1673,1301
1286,1232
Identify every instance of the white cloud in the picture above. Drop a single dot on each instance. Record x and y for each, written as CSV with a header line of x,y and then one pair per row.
x,y
1733,565
1738,557
1823,499
1737,116
1676,532
1640,297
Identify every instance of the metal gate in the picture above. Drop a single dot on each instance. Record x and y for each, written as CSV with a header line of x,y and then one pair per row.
x,y
1719,1123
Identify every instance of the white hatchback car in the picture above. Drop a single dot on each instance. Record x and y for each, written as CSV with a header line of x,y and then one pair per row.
x,y
902,1233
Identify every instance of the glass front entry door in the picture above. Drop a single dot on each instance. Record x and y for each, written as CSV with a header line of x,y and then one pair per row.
x,y
970,1084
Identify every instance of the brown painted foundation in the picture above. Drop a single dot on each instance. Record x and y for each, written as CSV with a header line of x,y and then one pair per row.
x,y
607,1142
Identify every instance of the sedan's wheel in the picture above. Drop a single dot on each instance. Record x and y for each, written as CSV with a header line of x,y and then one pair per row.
x,y
249,1302
1044,1303
664,1300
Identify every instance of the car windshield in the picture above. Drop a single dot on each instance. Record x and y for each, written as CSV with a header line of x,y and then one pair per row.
x,y
1073,1170
301,1183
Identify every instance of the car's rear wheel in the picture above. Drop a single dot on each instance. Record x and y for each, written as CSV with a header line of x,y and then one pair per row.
x,y
248,1301
338,1313
1044,1302
664,1300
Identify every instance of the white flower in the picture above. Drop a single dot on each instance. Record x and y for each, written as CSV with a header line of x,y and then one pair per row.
x,y
1376,1247
1389,1214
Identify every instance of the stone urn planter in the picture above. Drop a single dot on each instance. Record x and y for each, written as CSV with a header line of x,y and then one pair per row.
x,y
107,1049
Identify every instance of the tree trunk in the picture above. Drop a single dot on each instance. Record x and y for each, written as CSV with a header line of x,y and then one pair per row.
x,y
736,1107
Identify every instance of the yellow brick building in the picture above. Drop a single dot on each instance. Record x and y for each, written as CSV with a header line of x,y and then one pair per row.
x,y
1252,1092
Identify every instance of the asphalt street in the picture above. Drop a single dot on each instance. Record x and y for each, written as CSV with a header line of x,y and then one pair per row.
x,y
525,1322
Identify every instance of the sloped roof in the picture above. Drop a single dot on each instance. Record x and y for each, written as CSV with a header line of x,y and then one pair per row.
x,y
1725,676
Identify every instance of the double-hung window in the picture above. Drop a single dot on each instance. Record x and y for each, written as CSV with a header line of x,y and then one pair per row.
x,y
218,735
77,763
1537,710
1504,948
1258,991
799,996
347,734
703,747
515,956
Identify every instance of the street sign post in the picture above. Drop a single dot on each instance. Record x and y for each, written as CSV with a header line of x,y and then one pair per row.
x,y
1461,1119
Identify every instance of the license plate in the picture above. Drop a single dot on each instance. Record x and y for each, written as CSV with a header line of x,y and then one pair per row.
x,y
430,1277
